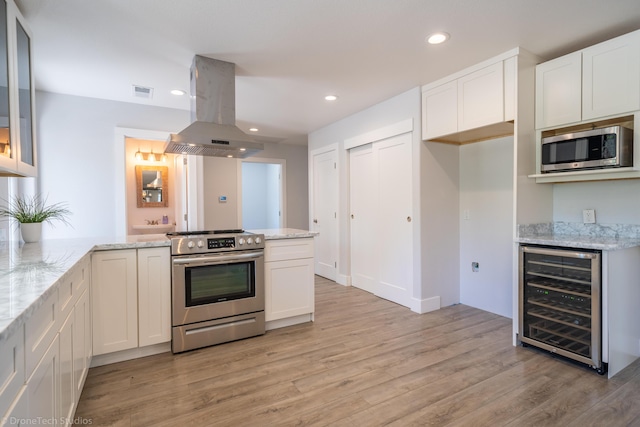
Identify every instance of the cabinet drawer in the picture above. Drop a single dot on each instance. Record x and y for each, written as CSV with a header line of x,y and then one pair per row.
x,y
72,286
280,250
40,330
11,368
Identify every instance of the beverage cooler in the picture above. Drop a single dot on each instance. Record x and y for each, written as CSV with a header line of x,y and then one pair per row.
x,y
560,302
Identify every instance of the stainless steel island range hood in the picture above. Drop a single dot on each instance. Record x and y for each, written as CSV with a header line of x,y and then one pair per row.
x,y
213,113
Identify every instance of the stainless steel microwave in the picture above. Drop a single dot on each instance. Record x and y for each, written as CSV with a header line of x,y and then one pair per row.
x,y
610,147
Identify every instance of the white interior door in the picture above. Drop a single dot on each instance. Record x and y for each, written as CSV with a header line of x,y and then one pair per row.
x,y
395,229
363,200
324,212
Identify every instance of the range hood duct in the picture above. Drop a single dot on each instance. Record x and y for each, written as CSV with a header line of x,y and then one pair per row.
x,y
213,113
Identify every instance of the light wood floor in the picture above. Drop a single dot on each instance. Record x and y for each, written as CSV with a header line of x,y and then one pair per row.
x,y
363,362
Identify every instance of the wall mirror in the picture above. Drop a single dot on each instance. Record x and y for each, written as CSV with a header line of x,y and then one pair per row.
x,y
152,186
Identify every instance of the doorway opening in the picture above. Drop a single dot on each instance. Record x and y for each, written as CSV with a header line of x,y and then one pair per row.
x,y
262,194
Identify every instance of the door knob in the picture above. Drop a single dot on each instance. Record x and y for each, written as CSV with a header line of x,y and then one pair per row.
x,y
352,216
408,219
315,221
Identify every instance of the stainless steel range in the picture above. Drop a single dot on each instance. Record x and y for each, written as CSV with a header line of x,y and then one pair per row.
x,y
217,285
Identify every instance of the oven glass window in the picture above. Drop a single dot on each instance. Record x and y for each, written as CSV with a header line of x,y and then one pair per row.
x,y
218,283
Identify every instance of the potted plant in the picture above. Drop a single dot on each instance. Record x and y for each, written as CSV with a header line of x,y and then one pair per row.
x,y
31,211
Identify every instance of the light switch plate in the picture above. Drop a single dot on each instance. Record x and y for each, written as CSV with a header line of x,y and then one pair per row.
x,y
589,216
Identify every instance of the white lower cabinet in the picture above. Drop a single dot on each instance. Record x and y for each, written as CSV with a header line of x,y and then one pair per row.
x,y
43,387
154,296
289,279
82,345
44,360
67,387
131,298
18,411
115,300
12,374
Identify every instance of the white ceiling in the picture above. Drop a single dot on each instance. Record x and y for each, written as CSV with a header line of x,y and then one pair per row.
x,y
290,53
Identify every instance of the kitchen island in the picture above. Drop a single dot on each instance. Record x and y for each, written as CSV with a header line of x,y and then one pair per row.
x,y
289,276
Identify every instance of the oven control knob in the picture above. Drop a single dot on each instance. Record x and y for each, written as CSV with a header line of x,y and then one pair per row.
x,y
258,240
190,244
249,241
241,241
200,243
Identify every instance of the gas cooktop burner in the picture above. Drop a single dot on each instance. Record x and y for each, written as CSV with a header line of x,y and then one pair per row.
x,y
200,233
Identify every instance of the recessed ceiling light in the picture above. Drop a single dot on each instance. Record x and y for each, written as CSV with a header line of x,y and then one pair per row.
x,y
253,129
437,38
178,92
330,97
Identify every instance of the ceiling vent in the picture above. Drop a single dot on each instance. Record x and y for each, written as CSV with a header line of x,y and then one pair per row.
x,y
142,92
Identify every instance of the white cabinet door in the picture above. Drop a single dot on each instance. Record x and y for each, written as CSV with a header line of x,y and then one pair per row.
x,y
611,82
114,298
440,110
289,288
43,389
67,398
559,91
481,98
18,413
154,296
12,375
39,330
81,343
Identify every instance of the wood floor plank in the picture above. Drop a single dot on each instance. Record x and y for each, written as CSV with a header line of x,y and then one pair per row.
x,y
367,362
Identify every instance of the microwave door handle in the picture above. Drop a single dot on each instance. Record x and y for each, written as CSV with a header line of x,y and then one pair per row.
x,y
217,259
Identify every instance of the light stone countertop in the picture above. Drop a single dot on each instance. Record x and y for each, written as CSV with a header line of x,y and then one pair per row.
x,y
284,233
605,237
30,272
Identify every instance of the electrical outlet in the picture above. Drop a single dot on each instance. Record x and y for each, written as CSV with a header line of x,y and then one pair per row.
x,y
475,266
589,216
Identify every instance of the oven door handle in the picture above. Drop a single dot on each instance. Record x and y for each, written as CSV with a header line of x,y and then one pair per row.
x,y
216,259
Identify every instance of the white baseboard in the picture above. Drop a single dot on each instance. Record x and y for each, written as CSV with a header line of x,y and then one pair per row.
x,y
344,280
425,305
133,353
289,321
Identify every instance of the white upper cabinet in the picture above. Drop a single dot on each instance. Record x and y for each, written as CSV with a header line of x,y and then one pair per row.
x,y
480,98
611,77
558,91
594,83
17,95
440,110
473,104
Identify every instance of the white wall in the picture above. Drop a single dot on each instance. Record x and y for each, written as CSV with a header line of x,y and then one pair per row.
x,y
486,237
615,202
440,234
220,179
77,155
